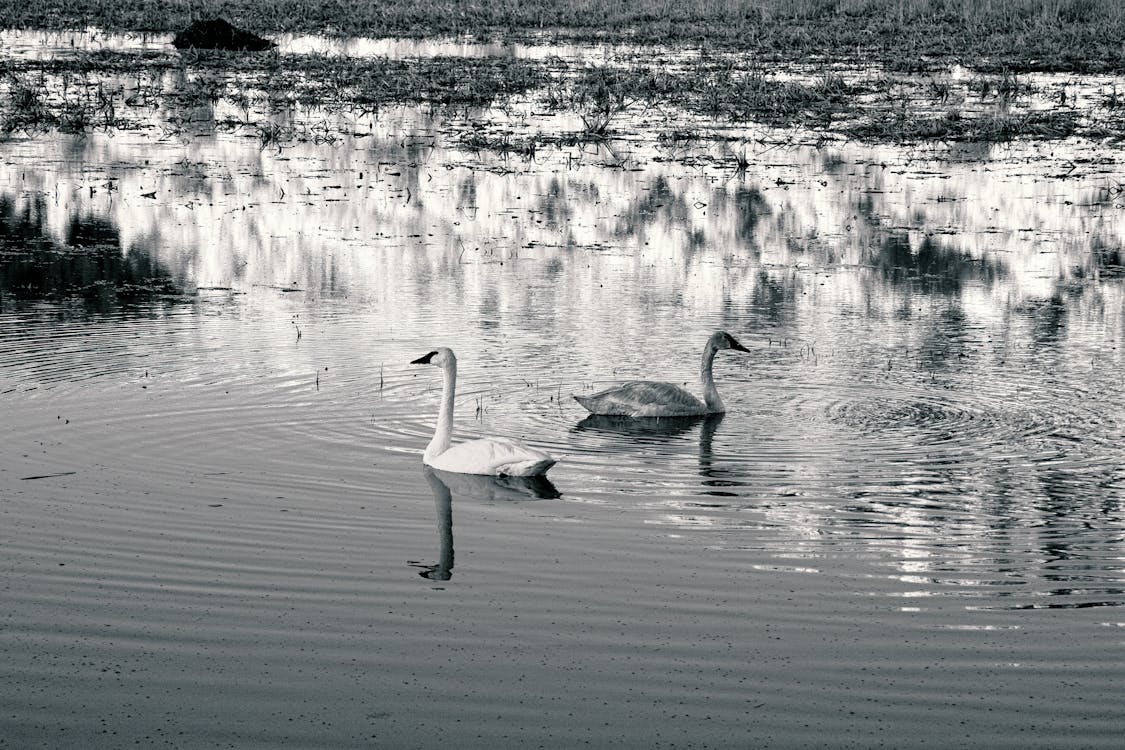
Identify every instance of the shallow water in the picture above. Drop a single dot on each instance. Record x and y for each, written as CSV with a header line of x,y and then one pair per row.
x,y
216,530
34,43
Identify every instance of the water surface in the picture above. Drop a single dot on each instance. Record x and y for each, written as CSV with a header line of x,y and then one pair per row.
x,y
216,529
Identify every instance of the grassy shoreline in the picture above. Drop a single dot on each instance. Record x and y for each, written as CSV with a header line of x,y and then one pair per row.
x,y
990,35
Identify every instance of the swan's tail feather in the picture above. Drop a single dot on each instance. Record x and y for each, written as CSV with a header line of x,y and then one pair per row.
x,y
586,401
528,468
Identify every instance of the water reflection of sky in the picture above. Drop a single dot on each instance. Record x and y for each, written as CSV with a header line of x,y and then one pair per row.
x,y
222,211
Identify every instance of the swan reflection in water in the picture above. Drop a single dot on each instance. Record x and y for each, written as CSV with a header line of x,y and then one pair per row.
x,y
652,430
650,427
476,487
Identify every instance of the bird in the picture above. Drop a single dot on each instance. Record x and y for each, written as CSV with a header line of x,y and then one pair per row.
x,y
648,398
491,456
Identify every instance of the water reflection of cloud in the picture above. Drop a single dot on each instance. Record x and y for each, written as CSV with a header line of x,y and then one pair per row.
x,y
872,228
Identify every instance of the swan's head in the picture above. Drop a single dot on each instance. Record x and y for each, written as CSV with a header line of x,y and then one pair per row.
x,y
723,340
439,357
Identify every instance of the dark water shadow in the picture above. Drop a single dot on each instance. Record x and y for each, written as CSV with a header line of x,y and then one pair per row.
x,y
493,489
645,427
90,262
467,486
933,265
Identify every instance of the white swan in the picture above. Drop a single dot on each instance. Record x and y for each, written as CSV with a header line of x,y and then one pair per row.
x,y
499,457
647,398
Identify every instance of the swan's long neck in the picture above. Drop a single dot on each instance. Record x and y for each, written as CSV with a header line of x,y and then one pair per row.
x,y
710,393
444,432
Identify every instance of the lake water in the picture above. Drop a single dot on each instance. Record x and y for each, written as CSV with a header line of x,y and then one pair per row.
x,y
215,528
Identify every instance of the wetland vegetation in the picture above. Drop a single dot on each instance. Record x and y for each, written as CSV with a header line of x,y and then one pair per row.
x,y
872,70
698,88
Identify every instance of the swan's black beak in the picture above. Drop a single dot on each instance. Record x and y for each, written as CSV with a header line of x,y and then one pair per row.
x,y
737,346
424,360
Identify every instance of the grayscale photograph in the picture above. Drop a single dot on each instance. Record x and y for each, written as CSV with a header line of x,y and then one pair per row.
x,y
513,374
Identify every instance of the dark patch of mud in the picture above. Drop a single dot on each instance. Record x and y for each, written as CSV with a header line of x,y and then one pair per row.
x,y
217,33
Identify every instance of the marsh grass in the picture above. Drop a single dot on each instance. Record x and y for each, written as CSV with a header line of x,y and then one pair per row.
x,y
757,96
503,144
26,108
953,126
85,91
272,134
599,94
441,81
252,93
36,103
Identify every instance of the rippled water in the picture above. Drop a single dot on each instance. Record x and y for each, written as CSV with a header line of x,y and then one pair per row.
x,y
216,529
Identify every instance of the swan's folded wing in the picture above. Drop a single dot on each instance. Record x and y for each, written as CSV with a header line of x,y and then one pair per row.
x,y
494,457
643,398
